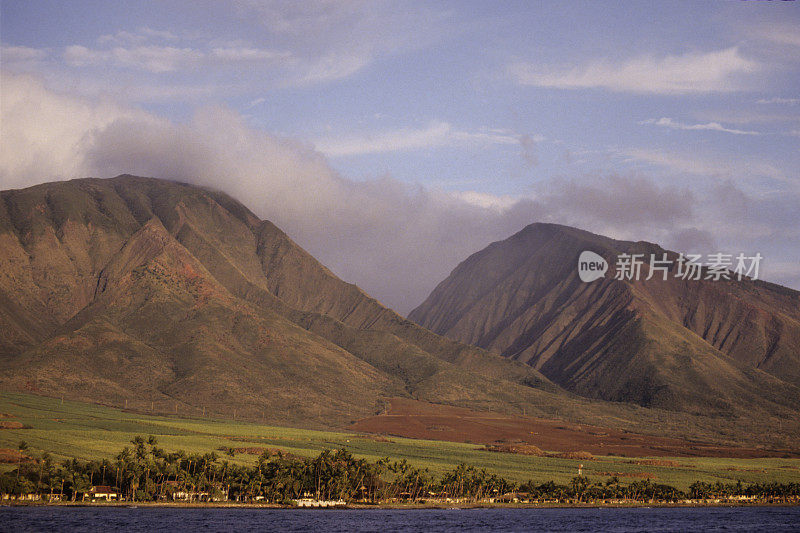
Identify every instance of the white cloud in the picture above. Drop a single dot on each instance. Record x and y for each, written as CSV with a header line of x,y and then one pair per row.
x,y
18,54
744,116
256,102
154,59
779,100
159,34
373,233
307,43
45,135
486,200
124,37
158,59
689,73
712,126
248,54
437,134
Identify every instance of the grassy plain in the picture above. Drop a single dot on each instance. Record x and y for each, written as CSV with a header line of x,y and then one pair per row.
x,y
88,431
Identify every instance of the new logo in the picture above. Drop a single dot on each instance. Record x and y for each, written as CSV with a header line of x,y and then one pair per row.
x,y
591,266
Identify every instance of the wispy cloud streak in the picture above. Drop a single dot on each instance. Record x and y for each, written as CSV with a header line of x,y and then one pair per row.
x,y
710,126
674,74
435,135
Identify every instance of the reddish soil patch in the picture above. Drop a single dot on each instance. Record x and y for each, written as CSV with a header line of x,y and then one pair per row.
x,y
421,420
8,455
11,424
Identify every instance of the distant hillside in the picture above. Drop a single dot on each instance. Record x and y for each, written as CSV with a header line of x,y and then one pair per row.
x,y
696,346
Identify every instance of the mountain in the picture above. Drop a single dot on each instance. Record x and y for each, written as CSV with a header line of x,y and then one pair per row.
x,y
174,298
702,347
171,298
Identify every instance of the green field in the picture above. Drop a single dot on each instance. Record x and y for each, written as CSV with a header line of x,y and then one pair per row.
x,y
87,431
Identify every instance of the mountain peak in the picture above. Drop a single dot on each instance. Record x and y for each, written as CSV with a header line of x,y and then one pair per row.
x,y
656,343
129,274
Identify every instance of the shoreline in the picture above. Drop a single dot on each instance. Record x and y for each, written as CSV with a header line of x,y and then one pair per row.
x,y
396,507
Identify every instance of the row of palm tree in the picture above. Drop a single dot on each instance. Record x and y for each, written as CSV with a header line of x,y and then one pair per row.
x,y
145,472
767,490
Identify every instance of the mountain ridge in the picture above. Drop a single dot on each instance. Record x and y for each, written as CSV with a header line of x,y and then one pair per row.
x,y
613,339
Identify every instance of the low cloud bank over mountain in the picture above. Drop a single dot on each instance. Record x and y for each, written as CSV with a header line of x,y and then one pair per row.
x,y
395,240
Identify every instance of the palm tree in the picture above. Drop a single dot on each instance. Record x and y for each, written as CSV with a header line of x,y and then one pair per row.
x,y
45,459
22,446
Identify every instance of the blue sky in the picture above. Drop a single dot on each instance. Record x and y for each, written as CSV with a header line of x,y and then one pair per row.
x,y
392,139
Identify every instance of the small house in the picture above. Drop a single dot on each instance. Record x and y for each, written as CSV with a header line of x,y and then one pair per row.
x,y
103,492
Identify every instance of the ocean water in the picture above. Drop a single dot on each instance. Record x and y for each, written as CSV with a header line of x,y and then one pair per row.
x,y
772,519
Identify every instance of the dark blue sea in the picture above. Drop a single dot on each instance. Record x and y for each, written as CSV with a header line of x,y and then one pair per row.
x,y
772,519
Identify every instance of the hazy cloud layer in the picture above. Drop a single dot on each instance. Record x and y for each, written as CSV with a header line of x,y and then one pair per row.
x,y
785,32
333,40
706,165
301,44
396,241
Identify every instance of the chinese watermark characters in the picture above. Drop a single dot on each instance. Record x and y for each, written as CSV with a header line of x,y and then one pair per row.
x,y
634,267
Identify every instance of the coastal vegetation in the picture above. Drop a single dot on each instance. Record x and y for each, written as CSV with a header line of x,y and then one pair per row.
x,y
93,433
143,471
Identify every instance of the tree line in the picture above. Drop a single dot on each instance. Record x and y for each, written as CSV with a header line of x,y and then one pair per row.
x,y
145,472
